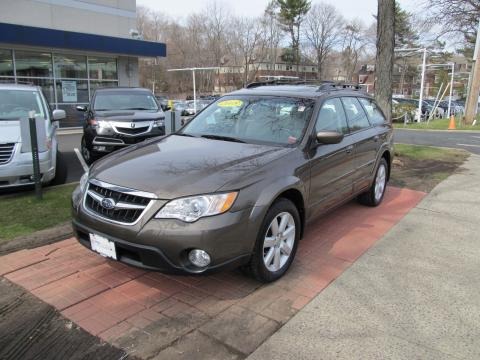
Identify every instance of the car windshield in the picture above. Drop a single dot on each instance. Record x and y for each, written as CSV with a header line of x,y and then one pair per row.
x,y
16,104
124,100
271,120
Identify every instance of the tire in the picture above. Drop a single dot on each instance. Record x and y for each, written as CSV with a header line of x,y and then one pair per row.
x,y
374,195
276,255
87,155
60,170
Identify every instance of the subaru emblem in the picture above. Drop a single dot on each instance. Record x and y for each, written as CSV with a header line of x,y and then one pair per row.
x,y
108,203
132,125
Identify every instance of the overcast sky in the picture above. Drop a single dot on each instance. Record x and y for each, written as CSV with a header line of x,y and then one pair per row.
x,y
363,9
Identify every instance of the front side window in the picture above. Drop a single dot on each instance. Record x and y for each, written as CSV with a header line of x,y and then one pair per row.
x,y
356,117
270,120
16,104
374,113
125,100
332,117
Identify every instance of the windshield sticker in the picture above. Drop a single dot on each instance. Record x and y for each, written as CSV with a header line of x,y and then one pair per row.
x,y
301,108
230,103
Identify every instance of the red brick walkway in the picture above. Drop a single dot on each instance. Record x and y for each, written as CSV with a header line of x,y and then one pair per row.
x,y
113,300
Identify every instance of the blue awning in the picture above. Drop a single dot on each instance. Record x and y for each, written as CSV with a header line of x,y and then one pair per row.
x,y
50,38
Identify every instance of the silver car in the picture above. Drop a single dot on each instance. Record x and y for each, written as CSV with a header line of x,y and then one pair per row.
x,y
16,167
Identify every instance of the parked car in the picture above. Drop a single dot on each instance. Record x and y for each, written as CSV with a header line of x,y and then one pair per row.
x,y
16,167
180,105
118,117
163,101
238,184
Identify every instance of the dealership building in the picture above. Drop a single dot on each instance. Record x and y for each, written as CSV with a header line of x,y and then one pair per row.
x,y
71,47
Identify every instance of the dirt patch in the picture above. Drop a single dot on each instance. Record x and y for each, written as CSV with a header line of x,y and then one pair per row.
x,y
32,329
421,175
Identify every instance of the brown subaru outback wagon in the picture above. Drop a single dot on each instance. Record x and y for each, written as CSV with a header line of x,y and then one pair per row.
x,y
239,183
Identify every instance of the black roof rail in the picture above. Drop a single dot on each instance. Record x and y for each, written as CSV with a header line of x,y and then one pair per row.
x,y
323,85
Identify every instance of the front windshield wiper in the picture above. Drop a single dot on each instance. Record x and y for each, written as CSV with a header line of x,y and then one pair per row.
x,y
221,137
138,108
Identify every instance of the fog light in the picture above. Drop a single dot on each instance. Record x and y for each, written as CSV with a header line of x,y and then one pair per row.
x,y
199,258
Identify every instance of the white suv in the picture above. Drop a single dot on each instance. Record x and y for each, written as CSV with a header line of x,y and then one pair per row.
x,y
16,168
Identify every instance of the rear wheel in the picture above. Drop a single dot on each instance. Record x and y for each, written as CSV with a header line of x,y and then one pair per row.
x,y
374,195
277,242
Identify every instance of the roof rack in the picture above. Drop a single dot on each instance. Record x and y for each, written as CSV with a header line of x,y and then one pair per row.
x,y
323,85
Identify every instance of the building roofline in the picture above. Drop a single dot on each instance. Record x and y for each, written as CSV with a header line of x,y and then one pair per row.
x,y
51,38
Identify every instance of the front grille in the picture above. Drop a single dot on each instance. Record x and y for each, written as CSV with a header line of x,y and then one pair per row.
x,y
128,208
6,152
134,131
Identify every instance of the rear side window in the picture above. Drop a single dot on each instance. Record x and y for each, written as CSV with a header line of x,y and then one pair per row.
x,y
374,113
356,117
332,117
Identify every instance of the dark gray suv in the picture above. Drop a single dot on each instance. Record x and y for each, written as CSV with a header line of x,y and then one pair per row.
x,y
238,184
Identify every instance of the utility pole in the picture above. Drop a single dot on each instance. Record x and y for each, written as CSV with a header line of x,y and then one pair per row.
x,y
474,90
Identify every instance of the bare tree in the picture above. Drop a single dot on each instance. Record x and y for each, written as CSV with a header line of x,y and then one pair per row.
x,y
322,30
385,51
273,31
353,45
249,36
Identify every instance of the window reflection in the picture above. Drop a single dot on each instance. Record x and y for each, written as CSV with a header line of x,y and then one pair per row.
x,y
70,66
36,64
6,63
102,68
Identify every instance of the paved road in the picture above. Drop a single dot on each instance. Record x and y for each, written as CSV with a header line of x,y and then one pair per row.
x,y
469,141
66,145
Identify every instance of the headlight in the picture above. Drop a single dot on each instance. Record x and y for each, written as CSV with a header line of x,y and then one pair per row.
x,y
192,208
103,124
84,181
159,123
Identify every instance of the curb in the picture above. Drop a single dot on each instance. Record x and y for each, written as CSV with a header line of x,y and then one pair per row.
x,y
70,131
38,238
443,131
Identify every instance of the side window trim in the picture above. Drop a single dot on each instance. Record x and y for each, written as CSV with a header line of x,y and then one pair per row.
x,y
366,115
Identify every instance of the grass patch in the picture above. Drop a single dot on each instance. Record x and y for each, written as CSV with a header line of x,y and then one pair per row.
x,y
437,124
24,214
423,167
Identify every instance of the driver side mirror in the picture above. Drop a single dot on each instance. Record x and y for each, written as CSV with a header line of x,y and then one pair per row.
x,y
58,115
329,137
81,108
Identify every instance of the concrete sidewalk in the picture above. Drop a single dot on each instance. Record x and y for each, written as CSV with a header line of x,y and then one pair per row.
x,y
414,295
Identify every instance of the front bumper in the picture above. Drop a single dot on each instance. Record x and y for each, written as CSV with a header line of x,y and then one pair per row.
x,y
19,170
163,244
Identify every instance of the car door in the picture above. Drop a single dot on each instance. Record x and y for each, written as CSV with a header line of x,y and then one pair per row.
x,y
332,165
365,140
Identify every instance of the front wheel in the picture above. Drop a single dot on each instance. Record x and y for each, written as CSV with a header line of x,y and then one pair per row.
x,y
87,155
374,195
277,242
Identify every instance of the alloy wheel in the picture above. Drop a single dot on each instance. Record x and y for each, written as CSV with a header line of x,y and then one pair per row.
x,y
380,182
279,241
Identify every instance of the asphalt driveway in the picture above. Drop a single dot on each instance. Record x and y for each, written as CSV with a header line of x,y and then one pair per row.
x,y
227,315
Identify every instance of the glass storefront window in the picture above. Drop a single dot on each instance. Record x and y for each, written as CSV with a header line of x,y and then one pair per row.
x,y
101,68
70,66
6,63
45,84
7,80
29,63
94,85
72,91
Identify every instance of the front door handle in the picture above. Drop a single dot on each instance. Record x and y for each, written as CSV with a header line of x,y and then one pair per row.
x,y
376,138
349,149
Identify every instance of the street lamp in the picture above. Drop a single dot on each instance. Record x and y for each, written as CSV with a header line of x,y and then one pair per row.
x,y
193,77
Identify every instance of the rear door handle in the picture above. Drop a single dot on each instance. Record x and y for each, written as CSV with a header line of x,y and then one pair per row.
x,y
349,149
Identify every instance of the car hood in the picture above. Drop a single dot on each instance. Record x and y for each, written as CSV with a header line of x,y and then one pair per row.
x,y
177,166
128,115
9,131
